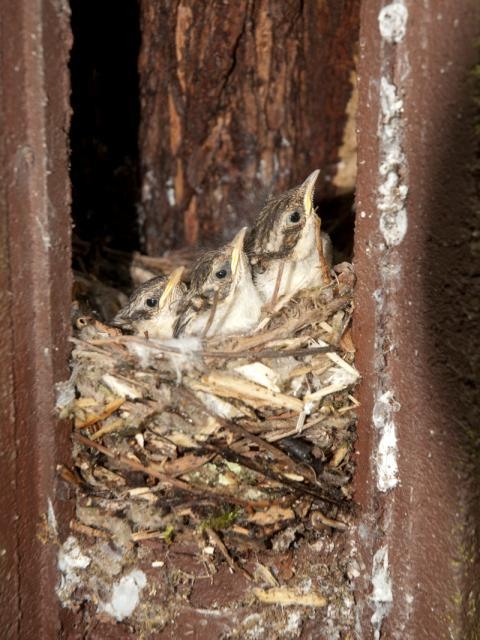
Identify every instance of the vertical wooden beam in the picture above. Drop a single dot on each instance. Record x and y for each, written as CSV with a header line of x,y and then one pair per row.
x,y
36,283
416,325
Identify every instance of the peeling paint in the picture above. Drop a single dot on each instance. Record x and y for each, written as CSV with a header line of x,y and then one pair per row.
x,y
386,457
392,192
382,594
51,518
44,233
392,21
391,201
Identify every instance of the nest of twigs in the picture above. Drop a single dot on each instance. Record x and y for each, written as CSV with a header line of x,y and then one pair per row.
x,y
241,443
244,435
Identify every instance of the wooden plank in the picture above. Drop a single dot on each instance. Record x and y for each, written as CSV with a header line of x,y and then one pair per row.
x,y
415,328
35,269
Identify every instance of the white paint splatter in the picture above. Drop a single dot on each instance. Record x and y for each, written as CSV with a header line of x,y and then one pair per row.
x,y
44,233
382,595
52,518
392,21
392,191
125,595
386,456
393,223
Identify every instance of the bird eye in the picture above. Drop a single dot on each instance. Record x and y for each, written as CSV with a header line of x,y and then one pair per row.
x,y
221,274
294,217
151,302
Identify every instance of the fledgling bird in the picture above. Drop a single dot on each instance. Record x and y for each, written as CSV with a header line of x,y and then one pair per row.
x,y
223,299
152,308
284,244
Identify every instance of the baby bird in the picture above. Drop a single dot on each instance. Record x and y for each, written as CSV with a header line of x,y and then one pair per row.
x,y
152,308
223,299
284,244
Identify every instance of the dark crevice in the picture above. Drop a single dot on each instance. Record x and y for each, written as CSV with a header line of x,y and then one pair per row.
x,y
104,131
338,220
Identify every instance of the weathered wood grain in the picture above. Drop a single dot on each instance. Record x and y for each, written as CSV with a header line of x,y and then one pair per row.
x,y
237,99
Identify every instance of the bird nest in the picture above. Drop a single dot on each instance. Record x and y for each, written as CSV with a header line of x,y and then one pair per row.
x,y
245,434
238,443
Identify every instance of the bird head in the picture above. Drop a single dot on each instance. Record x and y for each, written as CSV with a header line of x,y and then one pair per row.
x,y
215,280
219,273
283,221
151,300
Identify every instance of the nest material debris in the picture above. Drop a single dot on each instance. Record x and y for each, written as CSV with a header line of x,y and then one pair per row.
x,y
240,443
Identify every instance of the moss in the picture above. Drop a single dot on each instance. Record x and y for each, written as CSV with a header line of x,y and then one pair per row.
x,y
168,534
223,521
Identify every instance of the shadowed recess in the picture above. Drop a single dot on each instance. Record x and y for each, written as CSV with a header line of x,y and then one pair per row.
x,y
104,131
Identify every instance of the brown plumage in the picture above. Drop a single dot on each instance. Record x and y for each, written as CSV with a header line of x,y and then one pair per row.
x,y
152,307
284,238
222,298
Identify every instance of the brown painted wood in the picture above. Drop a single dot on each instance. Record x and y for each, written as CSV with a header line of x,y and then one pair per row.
x,y
237,99
34,310
416,324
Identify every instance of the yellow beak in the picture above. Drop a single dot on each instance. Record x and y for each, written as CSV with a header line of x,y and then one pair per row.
x,y
172,282
309,185
237,249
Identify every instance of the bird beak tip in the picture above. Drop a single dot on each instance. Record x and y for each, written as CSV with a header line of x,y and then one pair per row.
x,y
309,185
237,249
172,282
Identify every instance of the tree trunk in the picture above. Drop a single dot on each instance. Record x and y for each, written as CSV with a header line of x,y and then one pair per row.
x,y
237,99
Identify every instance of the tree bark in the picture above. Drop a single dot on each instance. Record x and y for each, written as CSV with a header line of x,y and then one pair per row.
x,y
237,99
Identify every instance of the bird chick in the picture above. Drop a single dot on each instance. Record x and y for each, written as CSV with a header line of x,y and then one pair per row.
x,y
223,299
152,308
286,248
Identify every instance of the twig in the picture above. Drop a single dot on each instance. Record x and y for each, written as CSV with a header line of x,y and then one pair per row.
x,y
321,258
88,531
109,409
217,542
246,353
278,281
238,429
233,456
211,316
179,484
